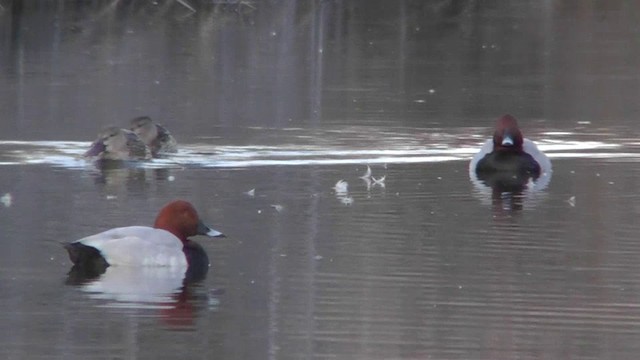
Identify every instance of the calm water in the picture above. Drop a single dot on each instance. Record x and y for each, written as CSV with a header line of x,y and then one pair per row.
x,y
286,98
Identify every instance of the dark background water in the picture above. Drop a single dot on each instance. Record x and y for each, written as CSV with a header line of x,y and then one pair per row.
x,y
287,98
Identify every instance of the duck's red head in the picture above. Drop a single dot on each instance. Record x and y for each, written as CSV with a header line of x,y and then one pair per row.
x,y
181,219
507,134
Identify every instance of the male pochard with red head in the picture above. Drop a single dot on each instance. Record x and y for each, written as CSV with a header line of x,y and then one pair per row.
x,y
167,243
509,152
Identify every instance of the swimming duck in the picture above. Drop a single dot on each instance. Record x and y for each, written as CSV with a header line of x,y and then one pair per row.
x,y
114,143
155,136
167,243
508,152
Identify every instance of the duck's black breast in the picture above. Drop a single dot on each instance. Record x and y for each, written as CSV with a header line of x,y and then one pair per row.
x,y
516,162
197,260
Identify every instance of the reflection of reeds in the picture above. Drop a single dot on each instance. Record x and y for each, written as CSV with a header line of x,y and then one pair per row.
x,y
237,3
193,6
187,5
234,2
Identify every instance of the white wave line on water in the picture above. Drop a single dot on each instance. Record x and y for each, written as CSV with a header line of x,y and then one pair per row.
x,y
71,162
576,145
69,154
595,155
225,162
46,143
433,149
273,162
256,152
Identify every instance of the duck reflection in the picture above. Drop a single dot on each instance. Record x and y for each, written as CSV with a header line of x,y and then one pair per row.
x,y
176,295
507,192
119,178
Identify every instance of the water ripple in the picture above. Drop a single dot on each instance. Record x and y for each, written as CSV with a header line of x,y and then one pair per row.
x,y
330,147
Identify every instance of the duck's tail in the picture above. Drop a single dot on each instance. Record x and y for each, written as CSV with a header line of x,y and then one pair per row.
x,y
86,257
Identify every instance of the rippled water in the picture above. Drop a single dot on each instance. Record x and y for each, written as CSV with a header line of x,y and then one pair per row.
x,y
336,146
425,264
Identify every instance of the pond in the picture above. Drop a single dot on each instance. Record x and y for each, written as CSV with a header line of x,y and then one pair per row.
x,y
272,104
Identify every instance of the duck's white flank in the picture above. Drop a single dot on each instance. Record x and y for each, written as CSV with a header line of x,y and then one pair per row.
x,y
138,246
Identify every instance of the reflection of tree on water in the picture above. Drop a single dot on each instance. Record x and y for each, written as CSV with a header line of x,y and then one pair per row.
x,y
274,61
301,62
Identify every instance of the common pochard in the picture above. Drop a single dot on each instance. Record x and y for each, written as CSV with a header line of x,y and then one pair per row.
x,y
509,153
167,243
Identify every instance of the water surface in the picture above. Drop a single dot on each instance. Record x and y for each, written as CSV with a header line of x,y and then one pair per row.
x,y
272,104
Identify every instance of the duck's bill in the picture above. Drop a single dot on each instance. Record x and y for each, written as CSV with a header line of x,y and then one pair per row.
x,y
96,149
215,233
207,231
507,140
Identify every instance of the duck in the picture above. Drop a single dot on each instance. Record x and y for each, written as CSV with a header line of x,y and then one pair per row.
x,y
155,136
166,244
509,155
114,143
